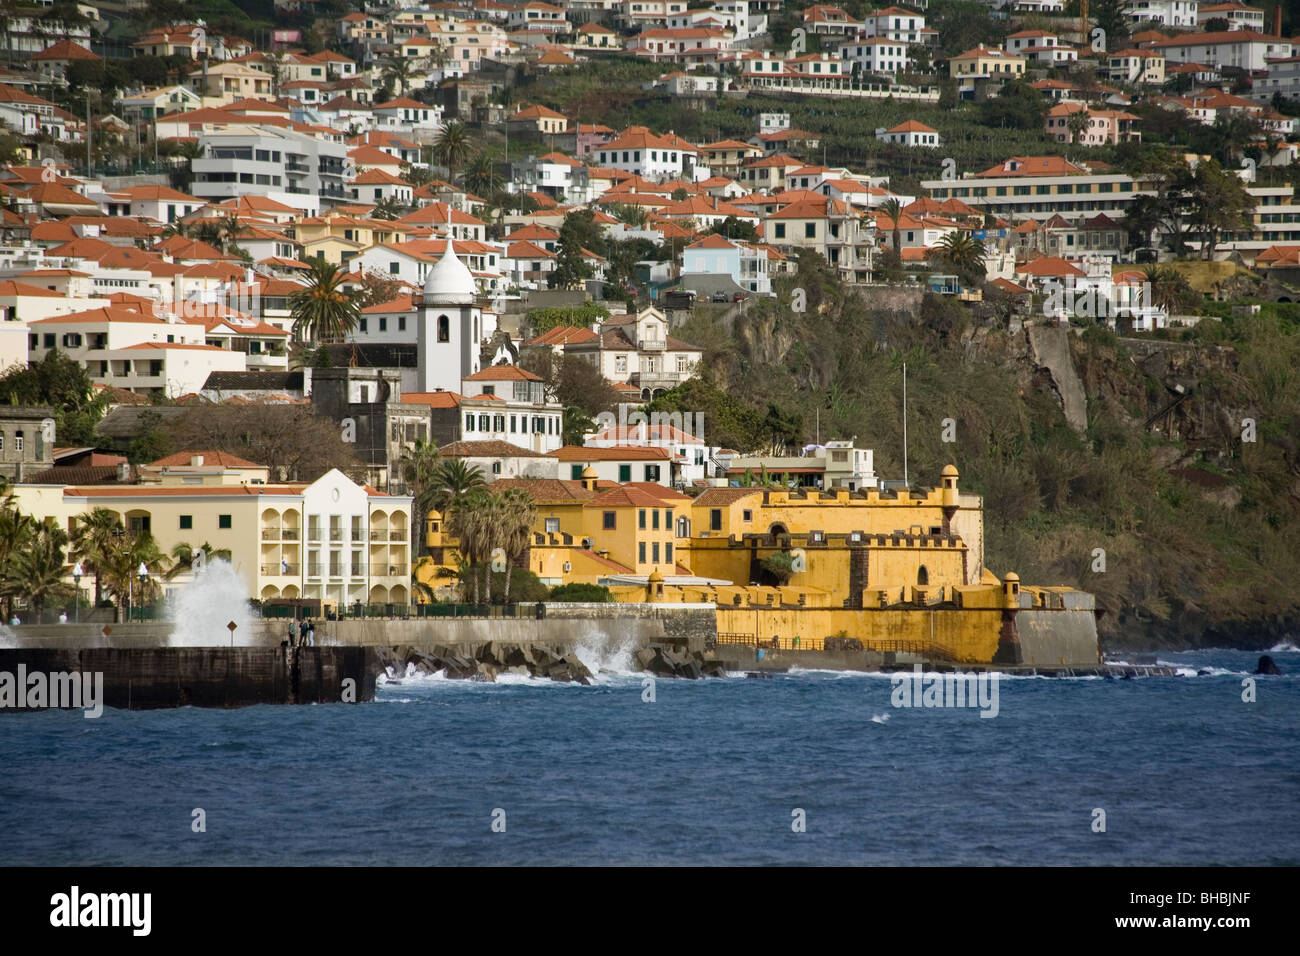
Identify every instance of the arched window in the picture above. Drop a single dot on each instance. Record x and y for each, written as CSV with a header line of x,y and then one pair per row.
x,y
922,577
444,329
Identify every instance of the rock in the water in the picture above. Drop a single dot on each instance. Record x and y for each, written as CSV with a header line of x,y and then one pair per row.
x,y
1267,666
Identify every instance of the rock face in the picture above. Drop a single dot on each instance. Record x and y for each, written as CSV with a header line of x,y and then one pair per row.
x,y
1050,346
1267,665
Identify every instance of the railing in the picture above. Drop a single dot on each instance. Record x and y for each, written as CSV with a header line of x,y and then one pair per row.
x,y
270,534
281,569
376,535
397,536
313,570
336,534
358,534
289,534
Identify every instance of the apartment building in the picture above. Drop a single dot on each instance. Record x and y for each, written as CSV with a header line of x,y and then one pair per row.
x,y
1242,49
297,169
1169,13
330,540
1039,187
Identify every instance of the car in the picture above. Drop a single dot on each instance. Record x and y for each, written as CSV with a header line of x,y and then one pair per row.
x,y
738,297
720,296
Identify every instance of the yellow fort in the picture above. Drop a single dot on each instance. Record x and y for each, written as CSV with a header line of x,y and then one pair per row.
x,y
892,571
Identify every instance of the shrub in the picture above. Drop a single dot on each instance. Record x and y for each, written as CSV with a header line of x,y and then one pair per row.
x,y
585,593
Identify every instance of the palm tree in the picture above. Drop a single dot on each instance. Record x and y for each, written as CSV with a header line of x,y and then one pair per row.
x,y
178,227
1077,123
453,482
396,70
519,512
16,530
893,209
388,208
120,569
94,537
322,311
452,147
963,252
482,177
227,229
471,524
419,469
36,573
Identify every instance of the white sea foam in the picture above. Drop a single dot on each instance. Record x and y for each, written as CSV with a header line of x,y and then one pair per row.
x,y
7,637
1286,647
607,658
203,608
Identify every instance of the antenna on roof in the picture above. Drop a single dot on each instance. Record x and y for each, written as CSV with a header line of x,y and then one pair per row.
x,y
905,481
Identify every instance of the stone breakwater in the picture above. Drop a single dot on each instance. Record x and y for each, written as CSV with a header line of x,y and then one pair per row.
x,y
486,661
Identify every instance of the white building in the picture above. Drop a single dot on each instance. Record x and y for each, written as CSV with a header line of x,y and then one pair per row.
x,y
1169,13
1238,15
910,133
746,263
875,55
1243,49
293,168
518,412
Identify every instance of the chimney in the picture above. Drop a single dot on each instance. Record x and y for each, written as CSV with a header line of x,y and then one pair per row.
x,y
196,461
123,473
1277,20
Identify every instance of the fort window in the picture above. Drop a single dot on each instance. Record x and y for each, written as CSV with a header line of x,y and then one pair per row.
x,y
747,515
715,519
187,522
922,576
640,518
444,329
223,521
608,520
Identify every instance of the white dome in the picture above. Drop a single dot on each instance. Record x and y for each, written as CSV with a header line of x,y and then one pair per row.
x,y
449,282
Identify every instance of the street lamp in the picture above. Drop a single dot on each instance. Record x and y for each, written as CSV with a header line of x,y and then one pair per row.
x,y
143,572
76,580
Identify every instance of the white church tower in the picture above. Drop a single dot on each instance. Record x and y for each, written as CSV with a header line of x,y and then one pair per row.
x,y
448,323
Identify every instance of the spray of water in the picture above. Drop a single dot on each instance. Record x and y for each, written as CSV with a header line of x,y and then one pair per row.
x,y
607,656
7,637
201,610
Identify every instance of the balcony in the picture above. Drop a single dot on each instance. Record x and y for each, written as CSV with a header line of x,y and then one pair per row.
x,y
378,535
336,534
397,536
270,534
313,570
282,570
289,534
657,345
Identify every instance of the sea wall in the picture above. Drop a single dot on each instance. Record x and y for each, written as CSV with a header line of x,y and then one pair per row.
x,y
149,678
1055,638
563,625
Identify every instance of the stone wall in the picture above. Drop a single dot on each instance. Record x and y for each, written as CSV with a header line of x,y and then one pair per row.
x,y
150,678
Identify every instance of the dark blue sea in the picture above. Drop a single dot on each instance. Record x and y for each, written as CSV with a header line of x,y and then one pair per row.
x,y
711,772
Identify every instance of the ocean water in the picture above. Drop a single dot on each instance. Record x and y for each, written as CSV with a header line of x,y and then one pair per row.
x,y
711,772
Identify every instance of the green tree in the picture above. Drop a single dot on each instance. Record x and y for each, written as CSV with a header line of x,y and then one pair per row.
x,y
571,268
961,252
95,536
420,468
452,147
518,512
397,72
36,573
321,311
483,176
63,384
893,210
